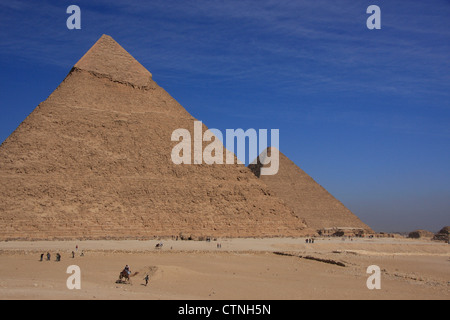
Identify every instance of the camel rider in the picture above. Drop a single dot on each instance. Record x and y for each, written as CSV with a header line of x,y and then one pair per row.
x,y
127,269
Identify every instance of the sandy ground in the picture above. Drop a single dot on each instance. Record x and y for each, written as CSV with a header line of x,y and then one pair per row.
x,y
241,269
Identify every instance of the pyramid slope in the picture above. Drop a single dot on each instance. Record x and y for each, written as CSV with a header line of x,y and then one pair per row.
x,y
308,199
93,161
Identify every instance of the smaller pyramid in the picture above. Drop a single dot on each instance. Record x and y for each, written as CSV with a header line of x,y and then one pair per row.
x,y
309,200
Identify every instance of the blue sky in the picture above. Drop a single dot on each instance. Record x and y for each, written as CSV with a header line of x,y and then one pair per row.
x,y
365,112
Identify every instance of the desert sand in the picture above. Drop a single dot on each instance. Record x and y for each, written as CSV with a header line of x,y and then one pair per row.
x,y
257,269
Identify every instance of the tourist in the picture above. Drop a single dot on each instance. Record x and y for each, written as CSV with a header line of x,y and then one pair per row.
x,y
127,269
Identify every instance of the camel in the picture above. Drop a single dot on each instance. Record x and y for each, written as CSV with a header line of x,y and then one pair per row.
x,y
124,275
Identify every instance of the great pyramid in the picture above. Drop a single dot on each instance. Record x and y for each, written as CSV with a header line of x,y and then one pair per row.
x,y
93,161
310,201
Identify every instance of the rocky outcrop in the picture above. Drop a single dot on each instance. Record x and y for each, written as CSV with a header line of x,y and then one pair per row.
x,y
420,234
442,235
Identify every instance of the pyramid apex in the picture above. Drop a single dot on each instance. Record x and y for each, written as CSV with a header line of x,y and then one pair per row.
x,y
108,58
272,149
268,152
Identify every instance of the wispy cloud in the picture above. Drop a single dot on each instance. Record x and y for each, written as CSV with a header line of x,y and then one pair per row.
x,y
293,48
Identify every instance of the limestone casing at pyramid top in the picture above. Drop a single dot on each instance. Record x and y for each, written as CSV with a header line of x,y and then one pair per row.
x,y
109,59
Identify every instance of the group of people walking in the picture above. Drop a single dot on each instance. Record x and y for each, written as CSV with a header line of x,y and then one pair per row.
x,y
58,255
49,256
